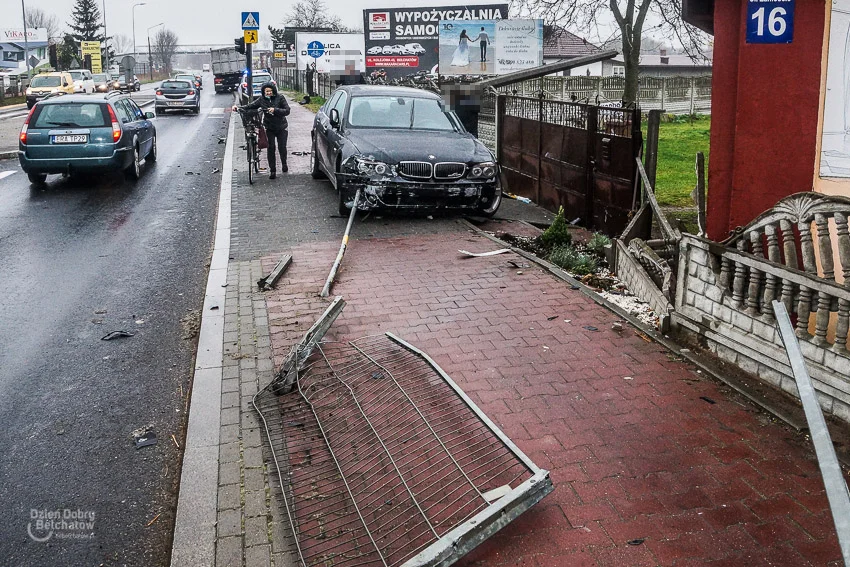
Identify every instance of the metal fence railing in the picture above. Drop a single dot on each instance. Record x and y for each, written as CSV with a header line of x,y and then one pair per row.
x,y
296,80
12,86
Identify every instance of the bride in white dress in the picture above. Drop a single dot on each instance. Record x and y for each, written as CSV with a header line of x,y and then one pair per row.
x,y
461,56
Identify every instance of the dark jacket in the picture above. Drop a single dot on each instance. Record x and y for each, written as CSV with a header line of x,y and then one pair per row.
x,y
273,122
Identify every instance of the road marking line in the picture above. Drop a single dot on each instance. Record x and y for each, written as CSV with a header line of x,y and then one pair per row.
x,y
217,110
4,174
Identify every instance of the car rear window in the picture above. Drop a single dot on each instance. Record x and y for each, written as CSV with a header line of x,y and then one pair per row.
x,y
100,78
176,85
189,78
53,81
72,115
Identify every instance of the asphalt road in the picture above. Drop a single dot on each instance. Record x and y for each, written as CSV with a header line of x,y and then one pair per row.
x,y
81,258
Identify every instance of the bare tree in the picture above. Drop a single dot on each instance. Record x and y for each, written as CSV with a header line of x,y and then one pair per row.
x,y
630,16
164,46
313,14
121,43
38,18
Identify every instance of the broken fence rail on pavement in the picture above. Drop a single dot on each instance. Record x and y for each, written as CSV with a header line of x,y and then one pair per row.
x,y
383,460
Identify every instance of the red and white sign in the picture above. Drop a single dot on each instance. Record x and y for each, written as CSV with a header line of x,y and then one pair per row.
x,y
392,61
379,21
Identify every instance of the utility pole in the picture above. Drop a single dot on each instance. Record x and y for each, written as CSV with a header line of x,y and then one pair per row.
x,y
105,41
249,62
26,42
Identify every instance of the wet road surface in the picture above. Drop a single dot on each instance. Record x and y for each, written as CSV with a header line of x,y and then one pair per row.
x,y
78,259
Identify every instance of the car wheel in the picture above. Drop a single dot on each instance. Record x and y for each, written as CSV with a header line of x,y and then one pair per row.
x,y
197,110
315,170
37,178
489,211
135,169
152,154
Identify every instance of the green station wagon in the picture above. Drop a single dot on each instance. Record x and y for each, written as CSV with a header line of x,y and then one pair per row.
x,y
77,133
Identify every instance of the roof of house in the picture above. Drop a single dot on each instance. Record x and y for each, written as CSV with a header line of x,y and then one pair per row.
x,y
558,43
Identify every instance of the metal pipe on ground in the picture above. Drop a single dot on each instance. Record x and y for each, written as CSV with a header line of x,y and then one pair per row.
x,y
327,289
833,478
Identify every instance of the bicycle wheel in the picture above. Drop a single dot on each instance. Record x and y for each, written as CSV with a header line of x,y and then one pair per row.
x,y
250,163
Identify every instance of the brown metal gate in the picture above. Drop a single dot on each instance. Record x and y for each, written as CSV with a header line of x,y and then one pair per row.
x,y
578,156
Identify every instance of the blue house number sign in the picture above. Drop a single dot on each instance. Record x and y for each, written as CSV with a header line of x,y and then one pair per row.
x,y
770,21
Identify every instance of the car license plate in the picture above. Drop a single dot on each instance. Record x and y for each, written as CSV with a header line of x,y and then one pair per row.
x,y
175,104
71,139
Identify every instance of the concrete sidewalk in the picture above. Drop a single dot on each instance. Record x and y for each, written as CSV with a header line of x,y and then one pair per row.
x,y
653,462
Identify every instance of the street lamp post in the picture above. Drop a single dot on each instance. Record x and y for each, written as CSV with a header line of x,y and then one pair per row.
x,y
105,41
150,53
134,33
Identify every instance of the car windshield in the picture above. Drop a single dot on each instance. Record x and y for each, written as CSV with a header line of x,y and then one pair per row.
x,y
71,115
100,78
190,78
176,85
398,112
77,75
46,81
261,79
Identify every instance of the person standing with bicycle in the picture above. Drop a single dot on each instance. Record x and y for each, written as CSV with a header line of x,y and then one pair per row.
x,y
274,110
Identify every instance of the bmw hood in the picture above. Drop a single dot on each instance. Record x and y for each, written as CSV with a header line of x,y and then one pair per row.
x,y
393,146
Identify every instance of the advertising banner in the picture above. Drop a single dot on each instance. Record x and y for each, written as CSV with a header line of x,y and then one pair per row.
x,y
16,35
835,136
490,47
92,49
329,51
403,41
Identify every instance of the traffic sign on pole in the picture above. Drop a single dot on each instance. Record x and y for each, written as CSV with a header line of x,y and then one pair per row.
x,y
251,36
250,20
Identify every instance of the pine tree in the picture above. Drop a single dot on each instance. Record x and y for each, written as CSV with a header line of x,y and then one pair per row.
x,y
86,22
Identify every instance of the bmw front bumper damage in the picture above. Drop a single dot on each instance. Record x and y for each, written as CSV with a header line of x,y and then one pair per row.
x,y
393,191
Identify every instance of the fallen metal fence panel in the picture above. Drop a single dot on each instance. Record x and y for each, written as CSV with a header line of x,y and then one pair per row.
x,y
384,460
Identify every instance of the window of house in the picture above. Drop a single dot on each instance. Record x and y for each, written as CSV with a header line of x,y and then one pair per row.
x,y
619,71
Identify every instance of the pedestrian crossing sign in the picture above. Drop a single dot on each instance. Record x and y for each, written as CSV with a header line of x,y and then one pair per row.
x,y
251,36
250,20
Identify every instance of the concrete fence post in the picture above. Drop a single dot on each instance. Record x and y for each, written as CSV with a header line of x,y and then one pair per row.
x,y
663,90
693,89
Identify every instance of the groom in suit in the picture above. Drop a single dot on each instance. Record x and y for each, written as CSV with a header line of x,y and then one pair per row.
x,y
483,39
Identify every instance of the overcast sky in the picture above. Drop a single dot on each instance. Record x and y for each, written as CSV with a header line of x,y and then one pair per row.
x,y
204,21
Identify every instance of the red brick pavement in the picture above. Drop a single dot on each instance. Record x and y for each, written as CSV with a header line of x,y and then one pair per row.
x,y
633,450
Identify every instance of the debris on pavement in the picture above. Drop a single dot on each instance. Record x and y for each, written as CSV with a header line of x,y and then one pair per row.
x,y
116,335
216,170
483,254
590,328
637,541
144,437
617,327
155,518
267,282
173,438
298,153
525,200
707,399
552,318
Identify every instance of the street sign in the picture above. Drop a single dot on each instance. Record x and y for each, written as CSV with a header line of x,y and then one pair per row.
x,y
92,49
279,55
251,36
315,49
770,21
250,20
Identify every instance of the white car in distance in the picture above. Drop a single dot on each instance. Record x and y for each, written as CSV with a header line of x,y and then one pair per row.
x,y
83,80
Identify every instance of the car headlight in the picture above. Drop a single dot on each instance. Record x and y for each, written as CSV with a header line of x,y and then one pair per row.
x,y
372,167
484,170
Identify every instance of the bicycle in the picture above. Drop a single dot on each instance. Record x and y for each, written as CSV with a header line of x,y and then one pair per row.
x,y
251,122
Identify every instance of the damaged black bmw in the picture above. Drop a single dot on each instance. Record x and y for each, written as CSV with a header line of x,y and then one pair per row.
x,y
404,150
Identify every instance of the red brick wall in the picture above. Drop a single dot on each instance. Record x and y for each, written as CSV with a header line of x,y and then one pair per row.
x,y
764,115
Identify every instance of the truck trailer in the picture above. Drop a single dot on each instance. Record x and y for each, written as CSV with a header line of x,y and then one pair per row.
x,y
227,66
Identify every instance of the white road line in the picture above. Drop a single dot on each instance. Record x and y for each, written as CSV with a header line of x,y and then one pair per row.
x,y
5,174
217,110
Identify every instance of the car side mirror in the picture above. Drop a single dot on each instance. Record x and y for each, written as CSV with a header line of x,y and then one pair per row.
x,y
150,115
334,118
64,84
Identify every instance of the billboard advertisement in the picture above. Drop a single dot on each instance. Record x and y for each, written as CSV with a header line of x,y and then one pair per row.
x,y
490,47
835,137
16,35
329,51
406,40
